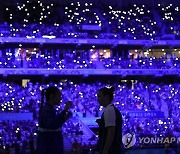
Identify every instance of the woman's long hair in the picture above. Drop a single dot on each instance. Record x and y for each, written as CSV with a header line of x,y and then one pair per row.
x,y
45,96
42,102
42,97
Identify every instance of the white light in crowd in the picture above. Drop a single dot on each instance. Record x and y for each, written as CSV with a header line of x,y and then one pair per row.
x,y
49,37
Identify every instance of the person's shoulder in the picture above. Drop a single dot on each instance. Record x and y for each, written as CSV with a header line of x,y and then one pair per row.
x,y
109,109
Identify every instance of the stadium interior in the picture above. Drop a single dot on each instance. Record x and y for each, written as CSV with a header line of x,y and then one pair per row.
x,y
80,47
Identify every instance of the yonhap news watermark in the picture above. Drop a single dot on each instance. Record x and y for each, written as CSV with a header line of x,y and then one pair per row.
x,y
130,139
159,140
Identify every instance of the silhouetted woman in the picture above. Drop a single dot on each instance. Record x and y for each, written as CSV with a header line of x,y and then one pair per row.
x,y
110,124
50,139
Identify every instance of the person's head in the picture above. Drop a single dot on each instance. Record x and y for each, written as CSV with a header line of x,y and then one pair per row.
x,y
105,95
52,95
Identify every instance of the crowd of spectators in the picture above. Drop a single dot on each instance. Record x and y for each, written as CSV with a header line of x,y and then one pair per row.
x,y
170,18
80,139
82,14
134,22
17,136
142,63
140,97
66,21
72,60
